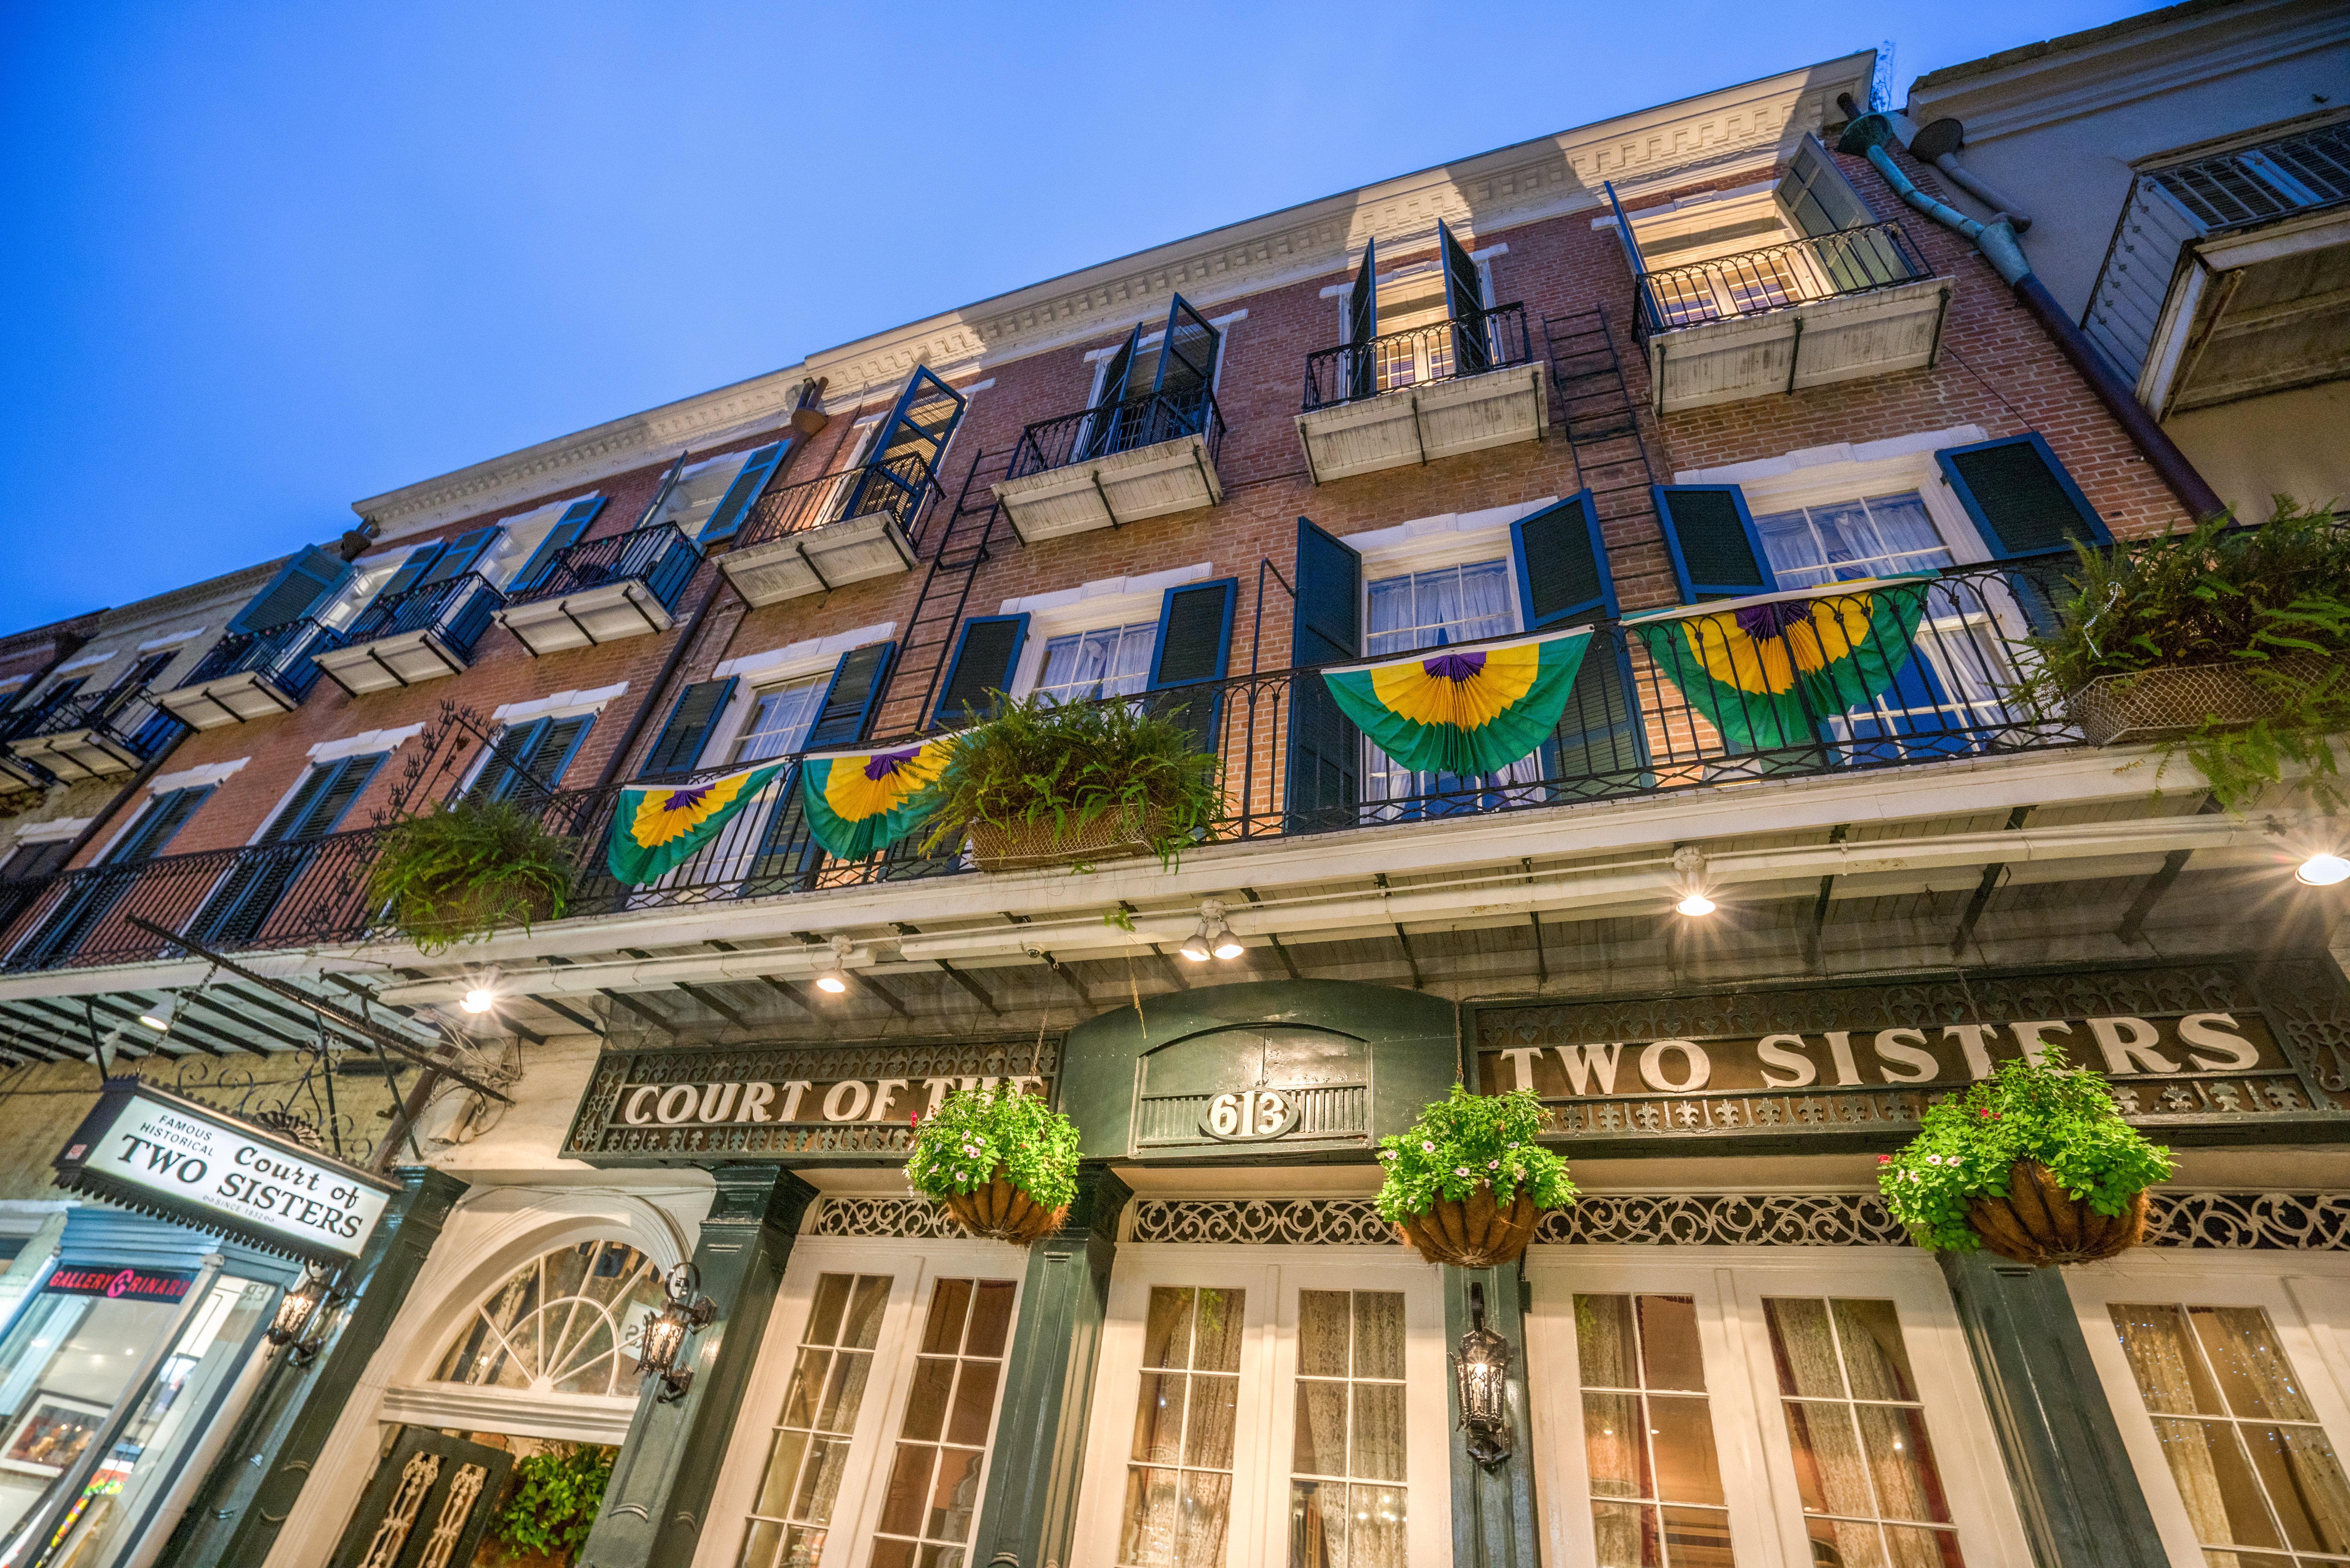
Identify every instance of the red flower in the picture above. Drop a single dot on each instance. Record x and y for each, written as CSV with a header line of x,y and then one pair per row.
x,y
1884,1159
914,1120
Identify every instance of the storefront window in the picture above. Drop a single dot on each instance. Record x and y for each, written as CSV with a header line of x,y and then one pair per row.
x,y
1349,1432
566,1324
1871,1494
792,1515
70,1358
1179,1482
2255,1470
1647,1434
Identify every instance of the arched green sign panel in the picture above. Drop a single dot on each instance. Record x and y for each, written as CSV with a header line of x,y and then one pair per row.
x,y
1281,1070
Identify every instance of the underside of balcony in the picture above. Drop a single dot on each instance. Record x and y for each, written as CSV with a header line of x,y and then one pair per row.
x,y
238,697
1419,424
816,560
591,617
1113,490
90,753
386,663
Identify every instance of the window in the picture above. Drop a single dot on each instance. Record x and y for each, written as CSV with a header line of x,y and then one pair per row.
x,y
566,1322
1346,1503
527,761
781,719
2234,1422
1657,1499
1877,536
933,1494
1179,1470
1436,609
1113,661
810,1450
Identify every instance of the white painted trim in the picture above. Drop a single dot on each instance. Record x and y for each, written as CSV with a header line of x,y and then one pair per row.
x,y
567,1418
1218,322
192,778
1926,441
53,830
84,662
1091,607
976,388
1686,204
562,705
797,658
1823,475
365,742
1448,539
172,638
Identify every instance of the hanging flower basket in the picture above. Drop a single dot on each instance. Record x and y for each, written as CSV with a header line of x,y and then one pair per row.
x,y
1003,1212
459,910
2039,1224
2172,701
1118,834
1475,1232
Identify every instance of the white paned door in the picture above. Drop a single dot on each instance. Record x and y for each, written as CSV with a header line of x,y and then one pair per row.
x,y
1754,1408
1258,1407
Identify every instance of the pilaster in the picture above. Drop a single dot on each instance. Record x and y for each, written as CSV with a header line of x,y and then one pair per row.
x,y
1493,1517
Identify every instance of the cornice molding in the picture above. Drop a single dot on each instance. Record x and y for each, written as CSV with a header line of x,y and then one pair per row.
x,y
1717,134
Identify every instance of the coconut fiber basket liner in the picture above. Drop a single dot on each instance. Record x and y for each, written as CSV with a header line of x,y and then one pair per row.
x,y
2038,1222
1116,835
1003,1212
2173,700
1475,1232
461,914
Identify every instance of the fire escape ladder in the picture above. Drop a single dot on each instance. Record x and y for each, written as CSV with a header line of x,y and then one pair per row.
x,y
963,542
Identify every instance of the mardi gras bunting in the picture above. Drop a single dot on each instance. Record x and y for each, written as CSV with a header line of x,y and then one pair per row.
x,y
860,802
1469,711
1765,670
656,830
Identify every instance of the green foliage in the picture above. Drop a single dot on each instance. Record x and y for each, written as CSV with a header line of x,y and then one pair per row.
x,y
555,1498
958,1147
2217,594
2048,1111
1036,760
469,868
1466,1141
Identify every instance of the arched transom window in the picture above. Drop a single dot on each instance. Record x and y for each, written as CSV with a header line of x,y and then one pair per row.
x,y
564,1324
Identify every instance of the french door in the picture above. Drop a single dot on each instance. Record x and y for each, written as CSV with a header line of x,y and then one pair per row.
x,y
1759,1408
1268,1407
863,1438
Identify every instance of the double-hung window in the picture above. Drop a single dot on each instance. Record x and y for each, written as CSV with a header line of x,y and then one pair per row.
x,y
1111,661
1432,610
780,718
1876,536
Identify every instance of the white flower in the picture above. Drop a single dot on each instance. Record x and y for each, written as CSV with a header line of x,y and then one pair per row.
x,y
1933,1159
1459,1171
1492,1165
1426,1147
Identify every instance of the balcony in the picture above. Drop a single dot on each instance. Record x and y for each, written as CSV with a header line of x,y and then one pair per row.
x,y
1413,397
419,634
1116,463
602,590
91,735
824,534
1833,308
250,675
2229,276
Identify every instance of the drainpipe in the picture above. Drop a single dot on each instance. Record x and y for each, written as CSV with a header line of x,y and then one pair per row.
x,y
1869,136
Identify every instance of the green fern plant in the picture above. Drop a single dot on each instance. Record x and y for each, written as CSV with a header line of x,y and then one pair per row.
x,y
555,1498
468,869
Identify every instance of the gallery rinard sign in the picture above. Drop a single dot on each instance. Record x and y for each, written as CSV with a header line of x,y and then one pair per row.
x,y
147,1149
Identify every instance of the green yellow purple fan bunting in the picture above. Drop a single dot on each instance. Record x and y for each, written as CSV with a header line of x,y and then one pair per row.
x,y
656,830
861,801
1463,710
1765,670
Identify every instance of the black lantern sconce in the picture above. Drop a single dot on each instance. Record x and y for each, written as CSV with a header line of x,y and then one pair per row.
x,y
1480,1372
305,1313
661,1347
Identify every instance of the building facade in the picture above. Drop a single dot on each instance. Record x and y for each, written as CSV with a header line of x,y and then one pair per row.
x,y
1704,353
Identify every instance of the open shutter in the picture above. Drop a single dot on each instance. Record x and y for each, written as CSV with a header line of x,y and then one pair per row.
x,y
847,704
1561,564
985,655
1186,355
1325,765
744,492
412,571
557,747
157,828
1195,639
1464,301
1363,324
1815,197
1716,551
2021,499
298,589
562,536
1101,431
458,557
1120,366
241,905
678,748
918,427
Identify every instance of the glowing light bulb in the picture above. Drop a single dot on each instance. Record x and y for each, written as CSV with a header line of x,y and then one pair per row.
x,y
2323,870
1696,904
1229,947
481,999
831,984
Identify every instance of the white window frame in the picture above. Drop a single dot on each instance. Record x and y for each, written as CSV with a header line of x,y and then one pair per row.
x,y
1827,475
2307,1298
756,674
1751,1441
1264,1429
1098,605
912,1266
368,575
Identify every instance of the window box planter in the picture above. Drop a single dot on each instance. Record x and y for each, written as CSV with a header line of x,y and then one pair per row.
x,y
1114,835
2173,700
2039,1224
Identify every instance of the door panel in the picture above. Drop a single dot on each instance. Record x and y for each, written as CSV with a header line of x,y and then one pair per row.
x,y
428,1505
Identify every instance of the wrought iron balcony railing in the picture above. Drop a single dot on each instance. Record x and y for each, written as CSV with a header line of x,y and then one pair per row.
x,y
661,556
1292,766
281,655
1495,340
455,612
1858,260
897,488
121,719
1110,428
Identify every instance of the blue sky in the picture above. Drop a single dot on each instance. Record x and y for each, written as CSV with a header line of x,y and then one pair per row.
x,y
263,260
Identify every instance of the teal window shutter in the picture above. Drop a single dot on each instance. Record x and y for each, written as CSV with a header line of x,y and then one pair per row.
x,y
1815,197
1464,301
920,426
1195,640
157,828
985,655
457,557
1187,354
2021,499
1325,765
536,753
1363,324
678,748
298,590
1561,564
562,536
749,484
412,571
1716,553
848,705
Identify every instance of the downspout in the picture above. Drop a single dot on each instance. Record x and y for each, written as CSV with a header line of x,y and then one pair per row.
x,y
1869,136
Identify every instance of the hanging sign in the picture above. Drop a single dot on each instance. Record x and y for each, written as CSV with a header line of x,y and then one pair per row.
x,y
149,1149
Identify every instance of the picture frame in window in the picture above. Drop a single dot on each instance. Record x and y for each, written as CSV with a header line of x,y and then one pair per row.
x,y
54,1432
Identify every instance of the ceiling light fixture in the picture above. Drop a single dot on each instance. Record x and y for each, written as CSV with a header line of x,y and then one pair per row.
x,y
2322,870
830,980
1212,937
1697,904
160,1016
1689,861
484,994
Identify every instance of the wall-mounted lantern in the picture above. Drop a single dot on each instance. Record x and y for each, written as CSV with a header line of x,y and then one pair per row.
x,y
662,1346
305,1313
1481,1372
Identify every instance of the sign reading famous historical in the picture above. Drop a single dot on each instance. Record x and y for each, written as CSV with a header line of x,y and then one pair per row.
x,y
147,1149
646,1106
1846,1057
